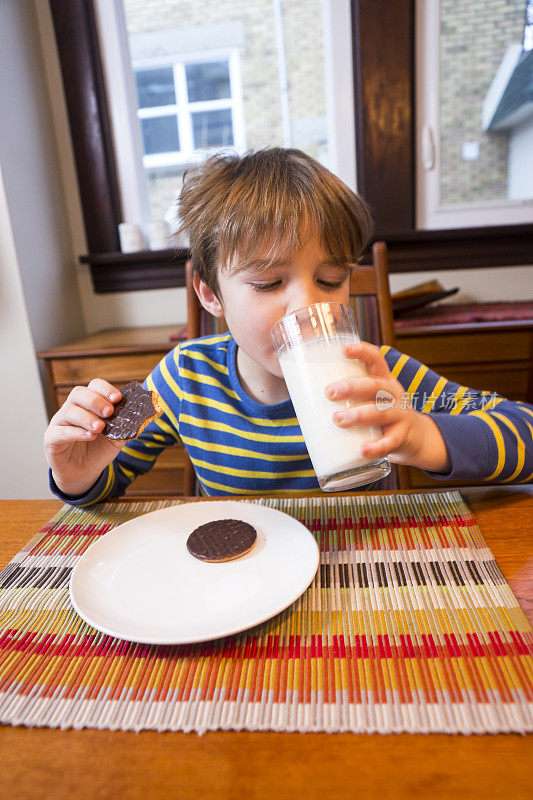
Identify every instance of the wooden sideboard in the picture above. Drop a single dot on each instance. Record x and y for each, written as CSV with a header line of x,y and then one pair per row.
x,y
119,355
494,356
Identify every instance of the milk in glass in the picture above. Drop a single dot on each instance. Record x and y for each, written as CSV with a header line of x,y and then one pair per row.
x,y
309,344
308,368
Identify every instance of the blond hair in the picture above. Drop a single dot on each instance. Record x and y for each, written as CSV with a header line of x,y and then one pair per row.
x,y
237,207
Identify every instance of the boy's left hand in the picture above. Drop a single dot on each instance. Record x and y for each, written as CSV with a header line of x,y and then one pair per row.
x,y
409,437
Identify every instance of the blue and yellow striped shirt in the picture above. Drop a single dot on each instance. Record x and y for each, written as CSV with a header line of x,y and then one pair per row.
x,y
240,446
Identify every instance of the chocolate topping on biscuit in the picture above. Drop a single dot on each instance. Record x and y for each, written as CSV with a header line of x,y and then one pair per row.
x,y
132,412
221,540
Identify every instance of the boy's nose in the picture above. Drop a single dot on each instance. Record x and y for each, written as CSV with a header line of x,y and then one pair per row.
x,y
303,297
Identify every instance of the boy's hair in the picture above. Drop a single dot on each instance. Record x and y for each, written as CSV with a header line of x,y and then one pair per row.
x,y
268,200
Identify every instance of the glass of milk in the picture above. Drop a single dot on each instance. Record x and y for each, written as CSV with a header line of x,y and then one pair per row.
x,y
309,345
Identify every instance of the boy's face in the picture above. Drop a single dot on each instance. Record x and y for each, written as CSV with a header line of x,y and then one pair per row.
x,y
253,298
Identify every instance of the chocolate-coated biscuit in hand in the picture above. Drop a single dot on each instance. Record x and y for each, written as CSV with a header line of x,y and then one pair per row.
x,y
137,409
221,540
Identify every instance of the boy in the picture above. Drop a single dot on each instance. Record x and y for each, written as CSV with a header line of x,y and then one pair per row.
x,y
270,232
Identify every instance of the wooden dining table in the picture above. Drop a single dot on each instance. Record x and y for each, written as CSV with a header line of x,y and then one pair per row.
x,y
77,764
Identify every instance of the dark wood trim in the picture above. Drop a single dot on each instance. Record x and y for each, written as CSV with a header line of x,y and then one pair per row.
x,y
461,248
114,259
383,63
413,251
79,55
128,272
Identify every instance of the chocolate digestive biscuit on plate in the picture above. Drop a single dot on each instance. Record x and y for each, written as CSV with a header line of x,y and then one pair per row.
x,y
137,409
221,540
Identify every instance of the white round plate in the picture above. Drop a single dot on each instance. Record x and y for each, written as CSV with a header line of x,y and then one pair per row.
x,y
140,583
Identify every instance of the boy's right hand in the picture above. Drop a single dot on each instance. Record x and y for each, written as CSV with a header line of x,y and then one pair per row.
x,y
74,447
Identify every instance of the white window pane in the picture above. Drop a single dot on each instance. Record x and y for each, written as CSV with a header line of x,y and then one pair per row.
x,y
160,135
209,81
212,129
155,87
475,162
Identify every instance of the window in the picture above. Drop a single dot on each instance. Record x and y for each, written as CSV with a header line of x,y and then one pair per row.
x,y
475,114
187,79
372,104
185,110
185,107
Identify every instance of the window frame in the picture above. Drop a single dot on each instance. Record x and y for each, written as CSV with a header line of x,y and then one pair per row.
x,y
431,212
183,109
384,46
384,82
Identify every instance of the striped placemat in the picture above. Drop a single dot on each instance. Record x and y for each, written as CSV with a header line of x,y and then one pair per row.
x,y
408,626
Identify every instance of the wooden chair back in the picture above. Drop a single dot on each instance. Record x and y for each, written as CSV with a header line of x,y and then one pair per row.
x,y
372,305
370,298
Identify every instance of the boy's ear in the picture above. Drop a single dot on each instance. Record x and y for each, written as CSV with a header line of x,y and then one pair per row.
x,y
207,297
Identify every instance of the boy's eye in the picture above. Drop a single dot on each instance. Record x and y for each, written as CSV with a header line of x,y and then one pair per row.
x,y
266,287
332,284
333,280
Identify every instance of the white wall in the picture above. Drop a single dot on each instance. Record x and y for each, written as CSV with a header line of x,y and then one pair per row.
x,y
39,298
23,469
29,158
130,309
475,285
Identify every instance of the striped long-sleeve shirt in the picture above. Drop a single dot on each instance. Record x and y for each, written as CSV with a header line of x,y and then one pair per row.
x,y
241,446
